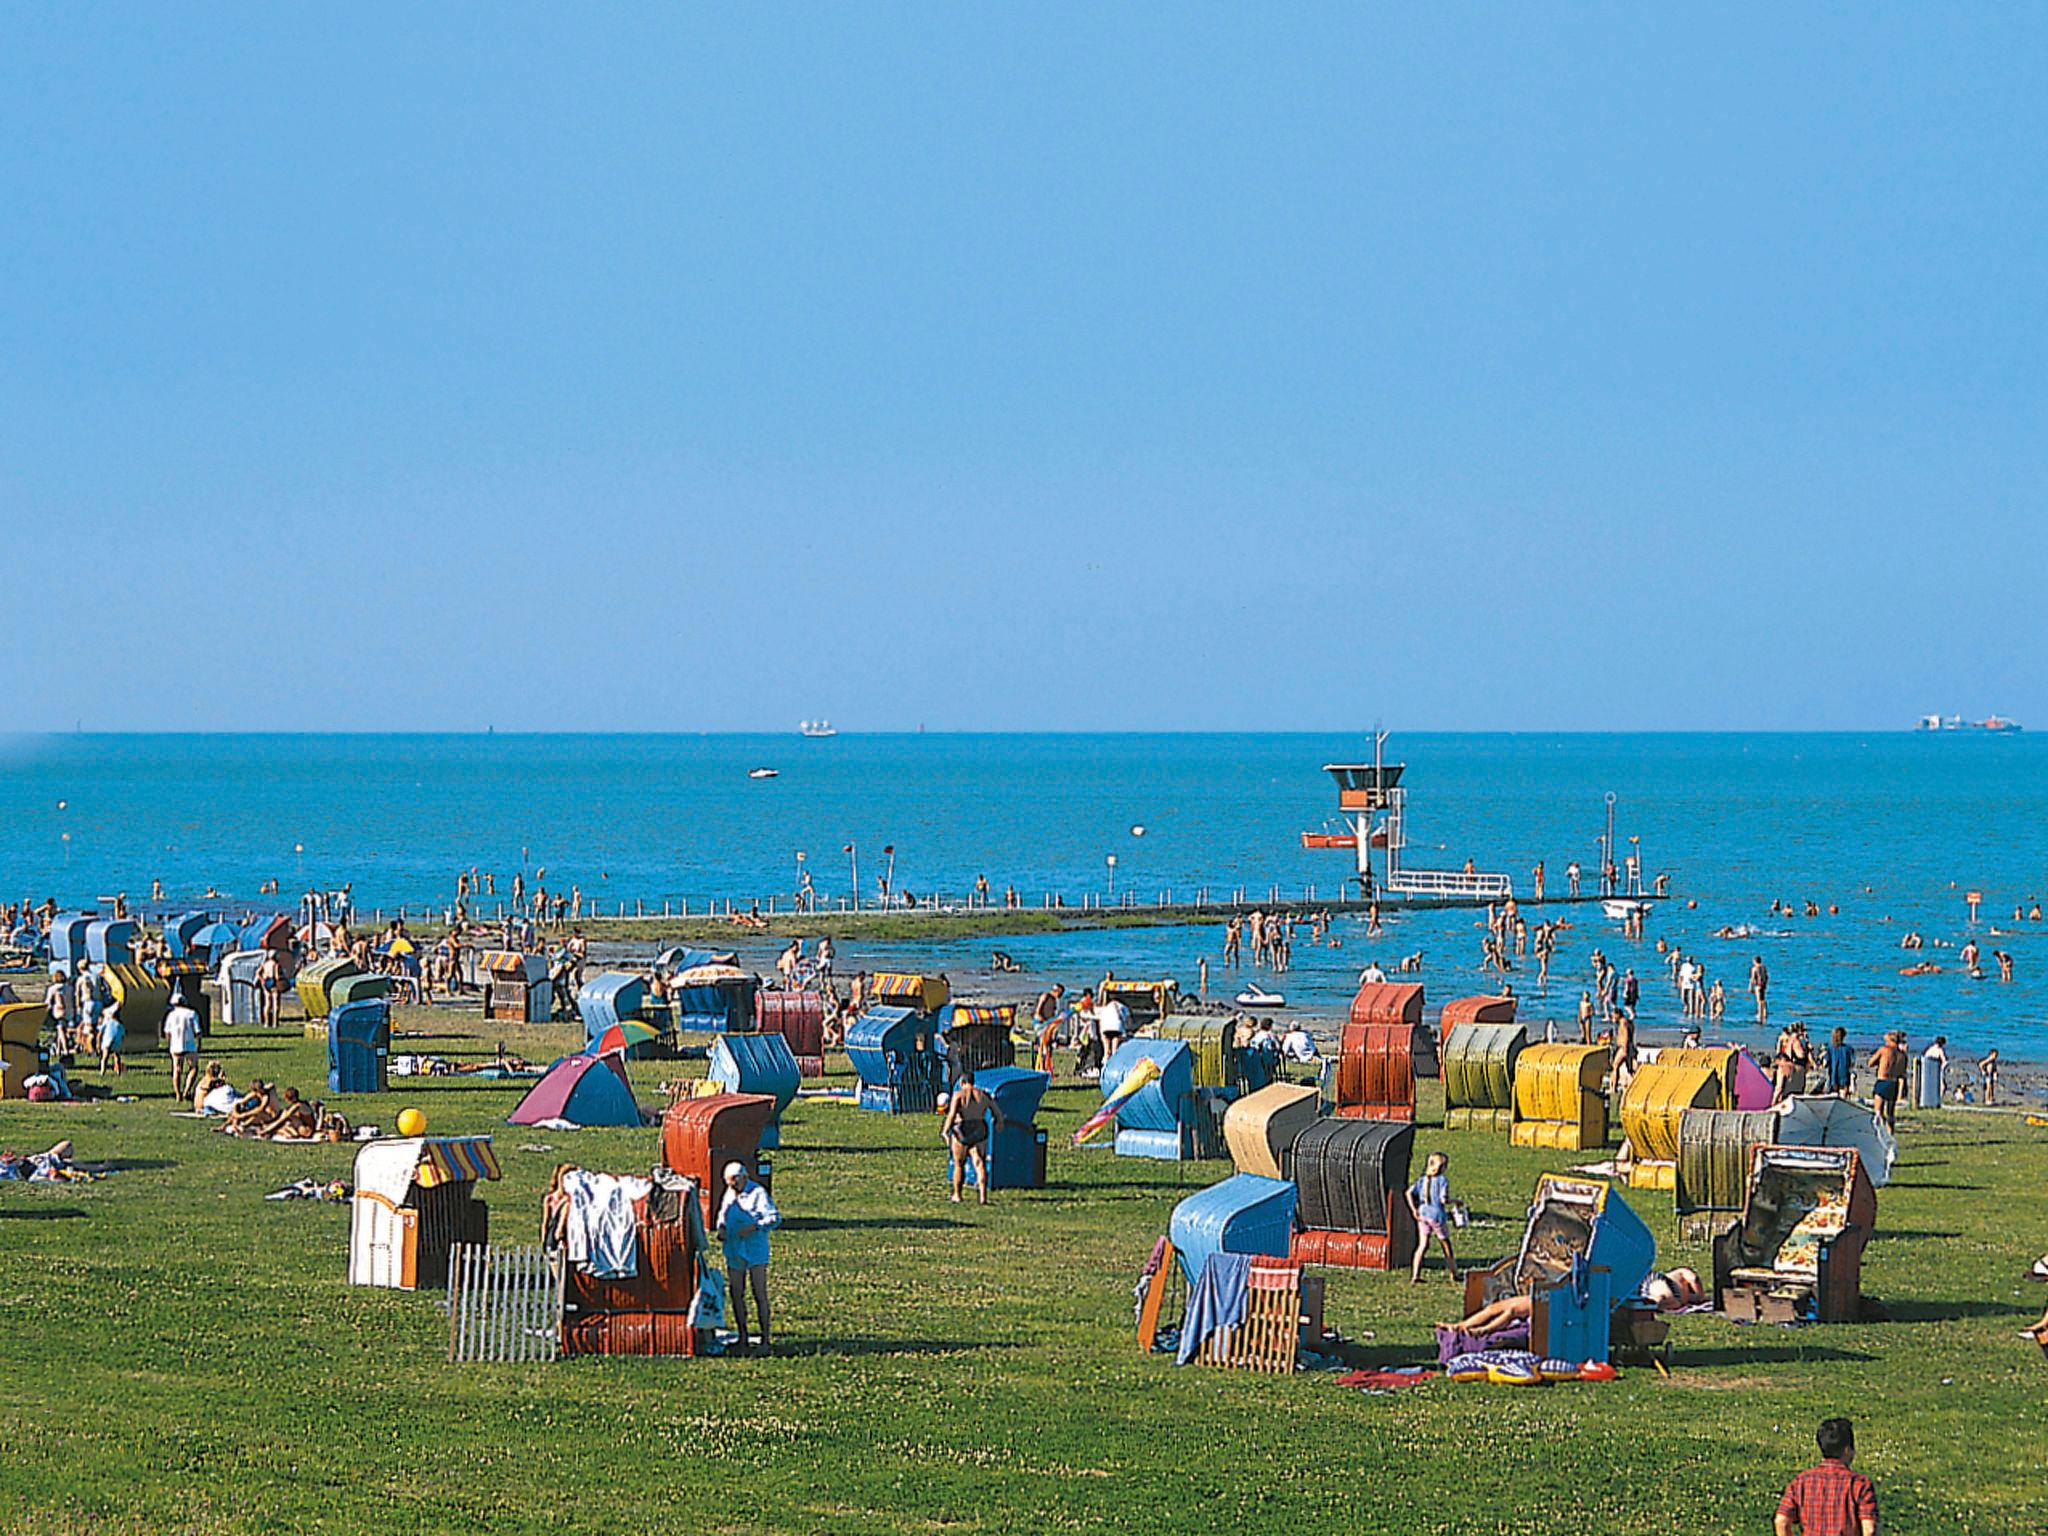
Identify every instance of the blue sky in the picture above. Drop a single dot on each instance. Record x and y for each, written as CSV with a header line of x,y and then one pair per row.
x,y
1022,367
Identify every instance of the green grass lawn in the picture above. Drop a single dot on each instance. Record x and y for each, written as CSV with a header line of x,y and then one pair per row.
x,y
180,1355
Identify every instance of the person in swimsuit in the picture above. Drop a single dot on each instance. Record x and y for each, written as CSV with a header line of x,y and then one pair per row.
x,y
966,1133
1888,1062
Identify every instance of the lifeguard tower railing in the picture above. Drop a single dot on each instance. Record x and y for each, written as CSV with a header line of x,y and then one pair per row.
x,y
1431,882
1364,786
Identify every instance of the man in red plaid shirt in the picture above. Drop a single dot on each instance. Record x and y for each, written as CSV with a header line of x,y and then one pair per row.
x,y
1830,1499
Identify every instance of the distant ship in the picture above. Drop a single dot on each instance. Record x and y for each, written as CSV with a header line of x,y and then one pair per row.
x,y
1998,725
818,728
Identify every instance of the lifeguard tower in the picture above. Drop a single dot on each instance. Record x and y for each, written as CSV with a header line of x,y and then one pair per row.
x,y
1374,805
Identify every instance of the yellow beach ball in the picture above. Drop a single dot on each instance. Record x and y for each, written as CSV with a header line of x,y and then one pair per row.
x,y
411,1123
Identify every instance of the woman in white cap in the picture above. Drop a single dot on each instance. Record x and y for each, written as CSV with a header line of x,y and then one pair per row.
x,y
745,1218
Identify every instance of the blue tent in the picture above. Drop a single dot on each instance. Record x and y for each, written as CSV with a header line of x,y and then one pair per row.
x,y
582,1089
757,1064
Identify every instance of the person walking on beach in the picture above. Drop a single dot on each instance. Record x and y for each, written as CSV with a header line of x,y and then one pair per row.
x,y
181,1035
1585,1017
1760,986
1202,978
1888,1064
1233,939
1830,1499
1987,1069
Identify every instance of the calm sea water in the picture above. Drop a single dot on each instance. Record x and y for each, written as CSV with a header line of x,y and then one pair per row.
x,y
1892,828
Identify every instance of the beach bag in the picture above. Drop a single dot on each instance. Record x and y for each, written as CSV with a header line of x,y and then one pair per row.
x,y
707,1308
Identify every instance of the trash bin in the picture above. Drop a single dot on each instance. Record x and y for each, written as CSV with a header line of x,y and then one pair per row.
x,y
1927,1083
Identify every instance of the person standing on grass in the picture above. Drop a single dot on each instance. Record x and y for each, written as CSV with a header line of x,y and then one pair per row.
x,y
57,1001
181,1034
1045,1024
113,1036
1429,1202
1841,1064
966,1134
745,1218
1888,1063
87,986
269,989
1831,1498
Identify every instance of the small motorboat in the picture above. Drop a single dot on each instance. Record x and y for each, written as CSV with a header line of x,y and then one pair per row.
x,y
762,773
1622,908
1256,996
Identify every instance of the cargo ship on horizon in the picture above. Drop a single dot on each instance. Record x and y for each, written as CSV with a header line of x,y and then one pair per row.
x,y
1997,725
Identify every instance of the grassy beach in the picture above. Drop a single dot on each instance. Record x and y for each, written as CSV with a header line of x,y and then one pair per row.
x,y
185,1356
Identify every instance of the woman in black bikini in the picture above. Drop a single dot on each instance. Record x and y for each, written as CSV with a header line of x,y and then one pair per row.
x,y
966,1133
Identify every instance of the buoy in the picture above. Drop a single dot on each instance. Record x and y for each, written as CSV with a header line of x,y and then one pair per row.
x,y
411,1123
1138,831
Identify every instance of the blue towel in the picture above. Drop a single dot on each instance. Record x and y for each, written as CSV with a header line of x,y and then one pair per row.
x,y
1217,1301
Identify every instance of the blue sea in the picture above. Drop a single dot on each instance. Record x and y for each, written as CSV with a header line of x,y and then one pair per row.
x,y
1891,828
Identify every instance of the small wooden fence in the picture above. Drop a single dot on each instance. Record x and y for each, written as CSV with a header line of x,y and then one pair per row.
x,y
504,1304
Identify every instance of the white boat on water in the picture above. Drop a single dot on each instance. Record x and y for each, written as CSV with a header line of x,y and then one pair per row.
x,y
1622,908
817,729
1256,996
762,773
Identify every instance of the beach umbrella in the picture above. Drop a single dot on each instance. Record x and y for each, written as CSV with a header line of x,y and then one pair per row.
x,y
399,946
219,937
623,1036
1822,1120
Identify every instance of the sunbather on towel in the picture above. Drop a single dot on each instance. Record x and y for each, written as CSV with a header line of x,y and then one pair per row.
x,y
294,1120
1495,1316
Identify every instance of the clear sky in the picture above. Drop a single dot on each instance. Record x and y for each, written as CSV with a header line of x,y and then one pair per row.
x,y
690,367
